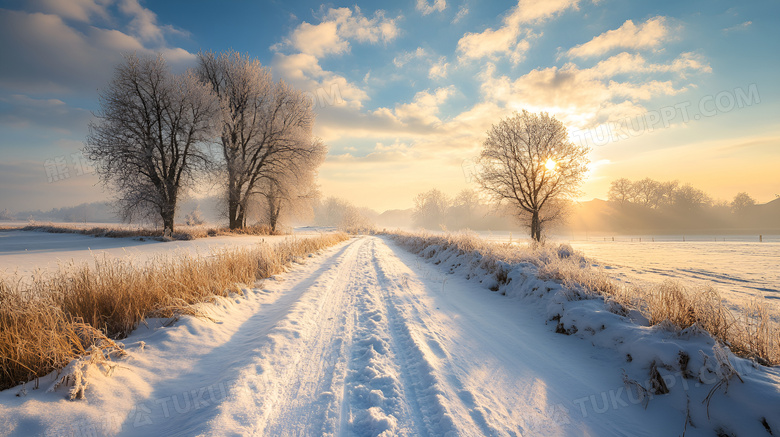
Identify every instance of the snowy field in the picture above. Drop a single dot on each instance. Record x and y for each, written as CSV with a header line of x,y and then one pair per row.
x,y
24,252
368,339
741,267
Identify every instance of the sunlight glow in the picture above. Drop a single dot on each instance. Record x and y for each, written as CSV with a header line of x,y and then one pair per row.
x,y
550,164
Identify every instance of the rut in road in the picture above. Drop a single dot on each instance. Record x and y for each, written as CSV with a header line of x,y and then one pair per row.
x,y
344,362
367,341
363,339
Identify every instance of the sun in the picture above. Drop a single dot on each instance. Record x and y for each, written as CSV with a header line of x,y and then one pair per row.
x,y
550,164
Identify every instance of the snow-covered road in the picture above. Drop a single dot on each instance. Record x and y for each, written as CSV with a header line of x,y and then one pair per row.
x,y
360,340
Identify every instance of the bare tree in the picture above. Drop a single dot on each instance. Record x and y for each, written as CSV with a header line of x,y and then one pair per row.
x,y
265,127
463,211
342,214
621,191
149,136
687,197
646,192
430,209
741,202
665,193
467,199
330,211
528,161
289,192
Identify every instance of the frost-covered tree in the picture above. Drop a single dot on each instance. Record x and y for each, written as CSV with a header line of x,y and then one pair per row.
x,y
343,215
528,162
265,128
463,211
430,209
290,192
194,218
149,137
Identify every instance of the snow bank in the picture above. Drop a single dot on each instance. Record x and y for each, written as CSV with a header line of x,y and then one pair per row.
x,y
687,369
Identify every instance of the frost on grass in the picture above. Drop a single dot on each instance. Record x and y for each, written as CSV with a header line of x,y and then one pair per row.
x,y
682,346
74,375
74,312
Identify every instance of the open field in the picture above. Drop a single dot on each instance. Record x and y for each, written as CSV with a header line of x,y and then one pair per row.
x,y
24,252
367,338
741,268
74,313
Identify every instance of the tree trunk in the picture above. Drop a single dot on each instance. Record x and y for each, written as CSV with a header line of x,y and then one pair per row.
x,y
240,220
168,218
536,227
273,212
232,213
168,211
234,204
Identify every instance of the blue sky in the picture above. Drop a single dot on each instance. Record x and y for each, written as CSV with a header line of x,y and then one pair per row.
x,y
406,90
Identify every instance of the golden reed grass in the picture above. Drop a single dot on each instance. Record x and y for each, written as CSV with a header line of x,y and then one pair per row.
x,y
183,232
49,321
752,332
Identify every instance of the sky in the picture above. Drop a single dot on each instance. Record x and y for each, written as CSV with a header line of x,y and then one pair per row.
x,y
405,91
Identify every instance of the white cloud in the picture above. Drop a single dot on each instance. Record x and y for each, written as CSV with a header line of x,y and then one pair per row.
x,y
304,71
53,114
68,58
462,12
336,29
424,108
79,10
585,97
535,10
650,34
426,8
623,63
318,40
439,69
405,57
144,21
739,27
506,40
311,42
490,43
398,151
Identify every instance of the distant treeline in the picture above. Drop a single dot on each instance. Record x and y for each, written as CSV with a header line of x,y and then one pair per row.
x,y
95,212
643,206
649,206
467,210
671,195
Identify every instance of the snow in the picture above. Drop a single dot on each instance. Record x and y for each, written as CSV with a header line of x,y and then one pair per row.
x,y
24,252
366,338
741,268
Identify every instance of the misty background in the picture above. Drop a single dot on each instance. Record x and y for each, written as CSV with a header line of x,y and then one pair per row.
x,y
690,212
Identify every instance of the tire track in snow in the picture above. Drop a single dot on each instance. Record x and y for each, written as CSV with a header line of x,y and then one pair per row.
x,y
428,350
291,388
194,401
374,401
307,403
425,394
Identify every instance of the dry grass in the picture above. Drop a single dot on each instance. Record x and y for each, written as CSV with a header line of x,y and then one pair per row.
x,y
751,333
57,318
183,232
